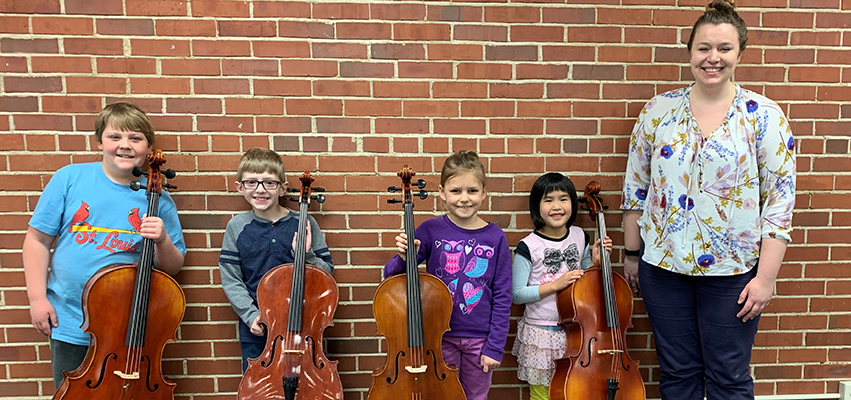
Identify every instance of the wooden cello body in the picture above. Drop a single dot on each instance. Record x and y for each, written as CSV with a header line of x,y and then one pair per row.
x,y
414,368
131,313
293,363
595,312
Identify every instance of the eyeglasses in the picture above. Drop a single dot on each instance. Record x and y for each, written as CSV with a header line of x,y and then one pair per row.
x,y
251,184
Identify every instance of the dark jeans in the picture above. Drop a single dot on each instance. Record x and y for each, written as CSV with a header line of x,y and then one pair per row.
x,y
702,347
250,350
65,357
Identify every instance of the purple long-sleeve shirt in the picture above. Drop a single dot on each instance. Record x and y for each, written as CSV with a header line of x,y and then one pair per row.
x,y
475,264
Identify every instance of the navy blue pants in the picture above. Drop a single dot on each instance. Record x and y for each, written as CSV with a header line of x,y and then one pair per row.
x,y
703,348
250,350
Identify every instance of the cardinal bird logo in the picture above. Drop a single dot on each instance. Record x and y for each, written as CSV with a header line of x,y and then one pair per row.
x,y
135,219
79,216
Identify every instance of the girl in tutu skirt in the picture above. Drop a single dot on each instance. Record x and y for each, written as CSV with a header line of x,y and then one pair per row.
x,y
547,261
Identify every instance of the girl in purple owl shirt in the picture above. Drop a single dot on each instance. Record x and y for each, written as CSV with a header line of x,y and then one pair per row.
x,y
547,261
472,257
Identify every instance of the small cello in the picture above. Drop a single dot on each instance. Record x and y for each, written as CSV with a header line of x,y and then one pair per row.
x,y
596,311
293,364
124,360
414,369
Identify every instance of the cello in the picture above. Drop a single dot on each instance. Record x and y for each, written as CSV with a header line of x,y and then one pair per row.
x,y
596,312
414,369
124,360
293,364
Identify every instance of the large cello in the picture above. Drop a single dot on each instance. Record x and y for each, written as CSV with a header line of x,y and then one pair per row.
x,y
596,312
124,360
293,364
414,369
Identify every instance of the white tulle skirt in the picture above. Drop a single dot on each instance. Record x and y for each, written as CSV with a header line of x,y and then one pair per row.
x,y
536,348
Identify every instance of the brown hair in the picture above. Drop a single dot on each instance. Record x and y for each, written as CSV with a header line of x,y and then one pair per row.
x,y
461,162
722,12
124,117
259,160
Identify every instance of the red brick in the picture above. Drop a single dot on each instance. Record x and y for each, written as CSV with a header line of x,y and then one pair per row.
x,y
105,7
341,88
254,106
221,48
401,89
339,50
813,74
431,32
413,108
19,104
568,53
318,30
566,15
340,11
279,87
517,126
159,85
459,126
156,8
62,64
71,104
816,38
291,9
18,24
487,108
537,71
484,71
363,30
29,45
511,53
221,86
558,109
342,125
30,6
250,67
366,70
193,106
580,34
625,54
454,13
833,20
62,26
424,70
512,14
438,51
398,12
247,28
481,33
652,72
537,33
225,124
396,51
164,48
373,108
215,8
787,19
314,107
308,68
125,27
651,35
401,125
283,124
827,56
185,27
191,67
14,84
281,49
13,64
94,46
675,17
122,65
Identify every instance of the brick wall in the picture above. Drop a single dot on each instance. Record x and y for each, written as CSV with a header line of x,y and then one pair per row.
x,y
353,90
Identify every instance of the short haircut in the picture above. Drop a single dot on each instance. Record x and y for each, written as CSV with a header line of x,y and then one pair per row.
x,y
722,12
464,161
126,117
546,184
259,160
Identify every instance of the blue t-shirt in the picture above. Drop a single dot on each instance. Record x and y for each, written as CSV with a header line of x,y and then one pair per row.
x,y
96,223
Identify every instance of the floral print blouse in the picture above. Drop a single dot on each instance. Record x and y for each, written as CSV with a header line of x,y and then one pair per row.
x,y
708,202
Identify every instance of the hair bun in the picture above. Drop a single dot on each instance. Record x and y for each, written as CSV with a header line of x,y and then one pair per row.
x,y
724,6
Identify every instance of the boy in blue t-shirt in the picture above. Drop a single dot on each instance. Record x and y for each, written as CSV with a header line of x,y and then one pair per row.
x,y
258,240
94,217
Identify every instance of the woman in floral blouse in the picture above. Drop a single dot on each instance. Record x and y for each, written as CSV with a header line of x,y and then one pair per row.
x,y
708,198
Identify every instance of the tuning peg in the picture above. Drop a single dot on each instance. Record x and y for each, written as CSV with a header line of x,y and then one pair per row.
x,y
168,186
316,189
135,185
169,173
137,171
423,194
320,198
394,189
421,184
394,201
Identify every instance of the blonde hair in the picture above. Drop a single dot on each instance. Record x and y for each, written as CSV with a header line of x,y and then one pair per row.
x,y
259,160
124,117
464,161
722,12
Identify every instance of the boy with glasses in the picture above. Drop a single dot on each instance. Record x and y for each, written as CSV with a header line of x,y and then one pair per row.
x,y
258,240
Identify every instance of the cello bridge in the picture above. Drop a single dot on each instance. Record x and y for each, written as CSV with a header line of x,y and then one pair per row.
x,y
416,370
293,351
612,352
122,375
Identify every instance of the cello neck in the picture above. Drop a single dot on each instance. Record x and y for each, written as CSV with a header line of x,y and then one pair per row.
x,y
294,322
415,311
